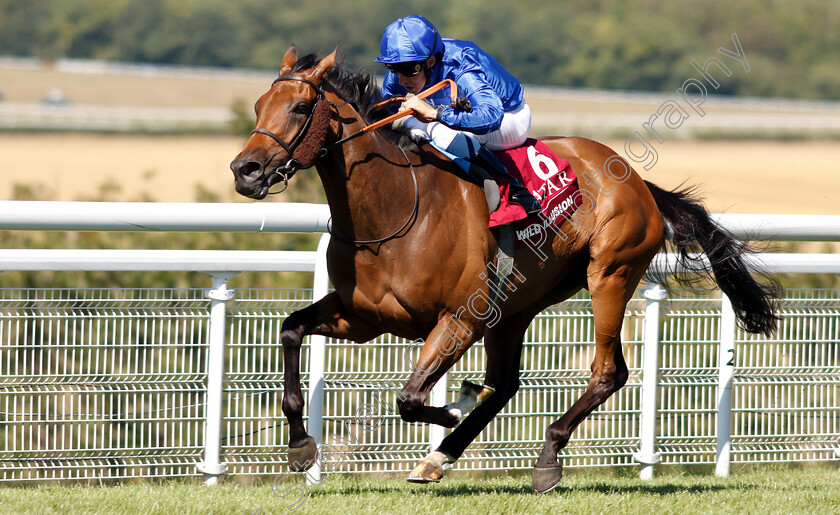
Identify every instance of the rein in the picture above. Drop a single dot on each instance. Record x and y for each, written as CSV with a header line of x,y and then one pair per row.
x,y
453,94
295,163
411,217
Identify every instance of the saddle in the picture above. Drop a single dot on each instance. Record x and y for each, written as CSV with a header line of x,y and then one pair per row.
x,y
552,182
549,178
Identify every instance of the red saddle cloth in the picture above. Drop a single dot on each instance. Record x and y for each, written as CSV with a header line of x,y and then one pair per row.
x,y
550,179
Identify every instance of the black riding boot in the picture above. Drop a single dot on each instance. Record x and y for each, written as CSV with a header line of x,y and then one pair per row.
x,y
486,159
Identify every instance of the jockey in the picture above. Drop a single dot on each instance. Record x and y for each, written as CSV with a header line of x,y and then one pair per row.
x,y
416,57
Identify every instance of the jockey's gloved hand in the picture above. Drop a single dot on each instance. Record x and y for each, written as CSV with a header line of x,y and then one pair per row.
x,y
399,122
462,104
396,124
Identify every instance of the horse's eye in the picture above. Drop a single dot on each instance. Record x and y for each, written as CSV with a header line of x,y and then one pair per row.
x,y
301,108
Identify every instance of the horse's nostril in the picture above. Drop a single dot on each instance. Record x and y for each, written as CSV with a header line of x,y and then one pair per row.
x,y
248,168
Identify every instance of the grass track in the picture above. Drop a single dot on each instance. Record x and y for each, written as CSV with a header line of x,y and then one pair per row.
x,y
767,489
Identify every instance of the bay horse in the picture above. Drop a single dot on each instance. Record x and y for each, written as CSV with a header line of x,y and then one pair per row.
x,y
411,252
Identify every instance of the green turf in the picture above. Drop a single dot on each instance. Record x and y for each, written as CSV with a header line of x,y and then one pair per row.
x,y
764,490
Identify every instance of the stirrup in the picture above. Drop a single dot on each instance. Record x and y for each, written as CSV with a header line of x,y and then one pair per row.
x,y
519,194
528,203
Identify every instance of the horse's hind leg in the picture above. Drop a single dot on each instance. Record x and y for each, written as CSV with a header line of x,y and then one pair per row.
x,y
328,317
610,295
503,347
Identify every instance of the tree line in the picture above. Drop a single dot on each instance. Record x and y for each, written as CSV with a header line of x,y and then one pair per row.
x,y
792,47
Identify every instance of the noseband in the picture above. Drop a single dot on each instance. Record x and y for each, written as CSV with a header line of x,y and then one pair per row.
x,y
292,165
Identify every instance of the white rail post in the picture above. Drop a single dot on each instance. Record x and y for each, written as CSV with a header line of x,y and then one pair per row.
x,y
212,467
726,361
647,456
317,361
438,398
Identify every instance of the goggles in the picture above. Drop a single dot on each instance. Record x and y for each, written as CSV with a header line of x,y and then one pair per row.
x,y
409,69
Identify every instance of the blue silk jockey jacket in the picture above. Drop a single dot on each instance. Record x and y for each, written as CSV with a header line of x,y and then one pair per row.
x,y
489,87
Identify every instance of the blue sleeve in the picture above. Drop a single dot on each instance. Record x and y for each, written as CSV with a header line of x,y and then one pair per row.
x,y
487,108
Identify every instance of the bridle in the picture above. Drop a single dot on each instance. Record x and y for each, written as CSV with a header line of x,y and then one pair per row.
x,y
287,170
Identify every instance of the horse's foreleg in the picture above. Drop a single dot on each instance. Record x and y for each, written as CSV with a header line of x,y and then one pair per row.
x,y
503,347
328,317
448,341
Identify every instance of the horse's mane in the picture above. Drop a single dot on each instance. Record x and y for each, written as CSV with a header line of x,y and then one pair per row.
x,y
359,89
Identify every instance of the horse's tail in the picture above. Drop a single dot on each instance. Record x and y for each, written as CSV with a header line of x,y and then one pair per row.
x,y
693,230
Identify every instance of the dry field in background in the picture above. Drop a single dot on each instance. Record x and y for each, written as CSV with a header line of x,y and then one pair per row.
x,y
738,177
798,177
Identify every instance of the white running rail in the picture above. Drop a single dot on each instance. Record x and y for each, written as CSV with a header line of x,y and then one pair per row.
x,y
646,386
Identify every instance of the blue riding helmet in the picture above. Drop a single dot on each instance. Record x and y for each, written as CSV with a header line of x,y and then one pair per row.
x,y
408,39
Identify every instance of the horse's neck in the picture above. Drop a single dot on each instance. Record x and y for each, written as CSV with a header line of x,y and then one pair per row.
x,y
369,187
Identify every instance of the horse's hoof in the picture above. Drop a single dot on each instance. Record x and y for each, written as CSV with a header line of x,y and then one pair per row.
x,y
302,458
425,472
545,479
430,468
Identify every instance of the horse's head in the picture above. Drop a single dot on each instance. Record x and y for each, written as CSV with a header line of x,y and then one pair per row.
x,y
292,122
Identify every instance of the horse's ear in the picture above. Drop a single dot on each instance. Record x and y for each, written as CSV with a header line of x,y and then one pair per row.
x,y
325,64
289,60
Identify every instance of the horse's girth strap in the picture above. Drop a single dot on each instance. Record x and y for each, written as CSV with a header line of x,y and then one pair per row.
x,y
504,260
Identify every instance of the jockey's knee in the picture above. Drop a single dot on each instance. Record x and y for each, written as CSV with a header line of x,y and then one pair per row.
x,y
411,405
459,144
